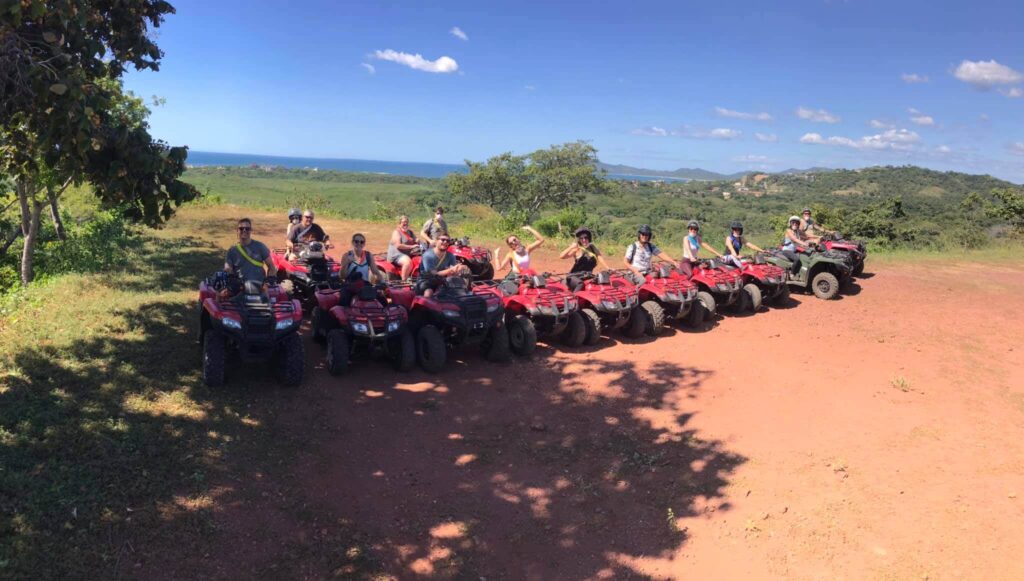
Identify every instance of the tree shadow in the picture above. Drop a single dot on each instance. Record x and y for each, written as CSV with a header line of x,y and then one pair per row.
x,y
169,264
542,469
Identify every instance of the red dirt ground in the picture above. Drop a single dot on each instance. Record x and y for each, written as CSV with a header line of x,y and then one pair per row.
x,y
874,437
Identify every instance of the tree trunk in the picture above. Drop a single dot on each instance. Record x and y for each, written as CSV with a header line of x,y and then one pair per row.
x,y
58,224
30,210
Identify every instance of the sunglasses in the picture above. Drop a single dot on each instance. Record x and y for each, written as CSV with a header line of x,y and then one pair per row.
x,y
359,242
444,241
307,217
245,228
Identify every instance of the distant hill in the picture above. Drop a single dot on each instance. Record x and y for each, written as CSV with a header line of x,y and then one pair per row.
x,y
906,181
681,173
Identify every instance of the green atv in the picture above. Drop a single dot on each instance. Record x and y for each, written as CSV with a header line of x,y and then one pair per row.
x,y
823,270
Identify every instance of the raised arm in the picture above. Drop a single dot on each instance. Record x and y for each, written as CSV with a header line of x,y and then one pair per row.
x,y
539,240
753,247
570,252
499,262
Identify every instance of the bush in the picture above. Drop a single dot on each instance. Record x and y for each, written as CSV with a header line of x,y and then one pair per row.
x,y
563,223
99,244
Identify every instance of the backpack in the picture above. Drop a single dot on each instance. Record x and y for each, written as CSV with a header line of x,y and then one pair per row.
x,y
631,253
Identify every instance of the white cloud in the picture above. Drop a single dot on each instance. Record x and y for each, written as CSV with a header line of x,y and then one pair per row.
x,y
943,149
914,78
457,33
723,134
817,115
984,117
651,131
987,74
913,111
369,68
875,123
766,137
923,120
443,64
1016,148
1013,92
723,112
751,158
893,139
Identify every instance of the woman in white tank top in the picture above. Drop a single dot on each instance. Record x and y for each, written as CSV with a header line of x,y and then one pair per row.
x,y
518,257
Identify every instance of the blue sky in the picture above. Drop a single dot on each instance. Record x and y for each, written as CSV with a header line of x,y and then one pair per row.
x,y
726,86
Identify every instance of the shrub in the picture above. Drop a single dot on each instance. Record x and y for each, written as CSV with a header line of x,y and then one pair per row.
x,y
563,223
98,244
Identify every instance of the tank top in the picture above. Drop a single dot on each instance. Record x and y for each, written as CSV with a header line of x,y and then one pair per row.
x,y
737,243
363,268
520,262
587,261
693,242
404,237
788,244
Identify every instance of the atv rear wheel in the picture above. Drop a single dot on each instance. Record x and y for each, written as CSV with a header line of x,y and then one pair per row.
x,y
339,348
695,318
431,352
403,350
825,286
292,360
575,331
214,358
486,272
522,335
496,346
637,323
592,322
655,317
754,298
708,300
319,324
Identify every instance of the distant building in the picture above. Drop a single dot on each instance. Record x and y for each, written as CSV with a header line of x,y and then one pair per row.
x,y
727,195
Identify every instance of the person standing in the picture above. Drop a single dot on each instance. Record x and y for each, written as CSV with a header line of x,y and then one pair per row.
x,y
434,227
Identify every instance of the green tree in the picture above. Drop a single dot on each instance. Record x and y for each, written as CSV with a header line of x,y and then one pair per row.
x,y
65,119
556,177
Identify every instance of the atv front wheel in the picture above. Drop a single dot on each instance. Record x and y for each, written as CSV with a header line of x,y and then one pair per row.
x,y
638,321
825,286
592,322
859,269
431,352
339,347
522,335
214,358
754,298
403,351
695,318
655,317
292,360
496,347
708,300
575,331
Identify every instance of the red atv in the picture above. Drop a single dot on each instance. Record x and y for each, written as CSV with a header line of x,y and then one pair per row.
x,y
477,258
763,282
608,301
394,272
719,286
454,315
857,251
537,304
313,269
665,294
257,324
366,326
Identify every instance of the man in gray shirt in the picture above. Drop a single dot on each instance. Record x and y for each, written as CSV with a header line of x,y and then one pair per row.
x,y
435,227
249,257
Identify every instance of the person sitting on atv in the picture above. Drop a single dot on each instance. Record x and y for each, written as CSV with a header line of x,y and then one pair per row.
x,y
307,231
357,269
734,244
434,227
795,239
691,248
294,217
437,265
809,226
518,258
403,247
248,259
641,254
585,256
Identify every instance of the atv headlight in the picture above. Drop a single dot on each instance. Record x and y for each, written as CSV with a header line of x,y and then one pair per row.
x,y
548,310
722,286
609,304
393,326
360,328
491,307
231,323
448,313
283,325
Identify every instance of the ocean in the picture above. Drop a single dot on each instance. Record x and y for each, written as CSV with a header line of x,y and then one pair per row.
x,y
401,168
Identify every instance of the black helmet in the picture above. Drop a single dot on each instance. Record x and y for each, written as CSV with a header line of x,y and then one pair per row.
x,y
644,230
583,230
806,211
294,213
693,224
737,226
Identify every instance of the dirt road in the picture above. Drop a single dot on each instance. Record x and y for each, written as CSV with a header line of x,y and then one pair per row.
x,y
880,436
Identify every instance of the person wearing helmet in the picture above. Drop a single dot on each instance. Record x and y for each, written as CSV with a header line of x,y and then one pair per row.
x,y
808,225
691,248
294,217
794,240
585,256
305,232
518,257
641,253
734,244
